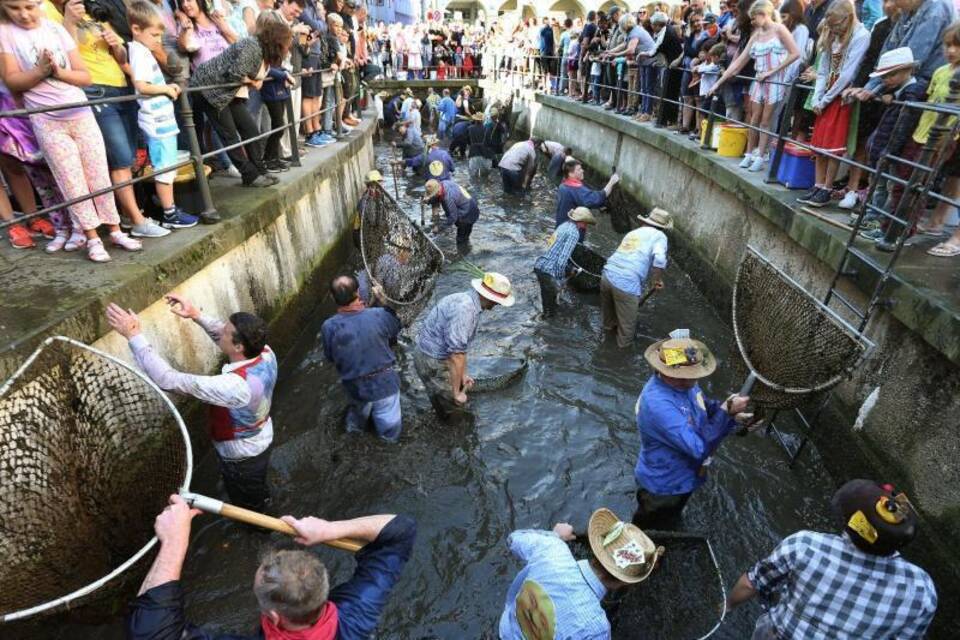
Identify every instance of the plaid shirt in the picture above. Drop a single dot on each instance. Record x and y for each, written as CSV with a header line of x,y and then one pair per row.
x,y
564,241
825,588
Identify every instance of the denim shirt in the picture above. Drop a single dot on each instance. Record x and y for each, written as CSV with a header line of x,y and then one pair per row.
x,y
678,432
554,574
360,343
450,326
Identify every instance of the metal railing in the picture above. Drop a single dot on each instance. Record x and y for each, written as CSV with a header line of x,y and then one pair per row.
x,y
196,154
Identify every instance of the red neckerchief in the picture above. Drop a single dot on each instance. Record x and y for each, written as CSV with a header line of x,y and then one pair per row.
x,y
354,307
572,182
323,629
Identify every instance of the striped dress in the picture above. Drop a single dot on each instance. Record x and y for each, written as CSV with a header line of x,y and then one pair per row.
x,y
766,56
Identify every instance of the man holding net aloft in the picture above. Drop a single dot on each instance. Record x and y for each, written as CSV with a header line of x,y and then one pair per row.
x,y
239,397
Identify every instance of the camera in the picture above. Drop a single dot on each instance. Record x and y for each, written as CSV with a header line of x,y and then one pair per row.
x,y
97,11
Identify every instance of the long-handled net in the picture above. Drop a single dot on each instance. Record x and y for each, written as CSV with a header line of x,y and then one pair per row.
x,y
791,343
591,264
90,450
398,255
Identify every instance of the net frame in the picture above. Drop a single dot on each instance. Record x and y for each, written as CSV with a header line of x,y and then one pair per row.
x,y
865,345
91,587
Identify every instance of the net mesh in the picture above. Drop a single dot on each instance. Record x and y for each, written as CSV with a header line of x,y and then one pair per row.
x,y
622,210
795,345
592,264
89,453
397,254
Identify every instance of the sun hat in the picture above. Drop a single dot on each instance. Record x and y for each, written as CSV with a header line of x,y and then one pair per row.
x,y
408,91
893,60
495,287
383,94
624,550
494,113
680,356
658,217
582,214
431,140
431,190
374,176
876,520
477,117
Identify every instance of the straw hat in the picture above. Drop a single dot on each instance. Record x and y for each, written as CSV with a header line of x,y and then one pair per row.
x,y
680,356
495,287
582,214
431,140
431,190
383,95
660,218
477,117
408,92
893,60
494,113
608,534
374,176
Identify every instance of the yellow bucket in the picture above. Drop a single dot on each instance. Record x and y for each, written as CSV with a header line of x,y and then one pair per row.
x,y
715,139
733,140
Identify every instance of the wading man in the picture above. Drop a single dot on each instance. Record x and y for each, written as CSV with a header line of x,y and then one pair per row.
x,y
411,145
446,334
439,163
640,259
460,209
519,164
557,596
850,585
359,341
292,586
239,397
679,428
573,193
554,267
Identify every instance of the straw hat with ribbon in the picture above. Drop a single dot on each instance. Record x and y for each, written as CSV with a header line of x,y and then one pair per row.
x,y
374,176
582,214
431,190
680,356
495,287
894,60
626,552
477,117
658,217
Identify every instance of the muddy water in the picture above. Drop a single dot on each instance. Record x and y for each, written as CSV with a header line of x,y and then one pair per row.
x,y
553,447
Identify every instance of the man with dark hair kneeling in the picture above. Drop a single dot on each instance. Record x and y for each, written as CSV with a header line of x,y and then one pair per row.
x,y
849,585
239,397
359,341
292,586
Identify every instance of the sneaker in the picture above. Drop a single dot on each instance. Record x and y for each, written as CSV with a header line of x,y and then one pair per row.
x,y
229,172
126,223
96,251
262,181
20,237
849,200
873,234
149,229
820,199
179,219
805,198
58,241
317,139
277,166
42,227
76,241
122,240
747,160
757,164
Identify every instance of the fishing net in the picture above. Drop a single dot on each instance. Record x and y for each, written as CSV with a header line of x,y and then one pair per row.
x,y
398,255
592,264
794,344
622,210
493,373
90,450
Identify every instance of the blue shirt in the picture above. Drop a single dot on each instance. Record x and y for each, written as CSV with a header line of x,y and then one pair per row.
x,y
546,40
443,169
562,243
639,250
458,205
678,432
158,613
820,586
573,194
448,109
450,326
360,343
568,592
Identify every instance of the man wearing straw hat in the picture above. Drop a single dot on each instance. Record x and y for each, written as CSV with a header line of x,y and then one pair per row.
x,y
479,155
557,596
292,586
640,259
679,428
370,199
239,398
460,135
573,193
411,145
853,584
554,267
446,334
439,164
459,207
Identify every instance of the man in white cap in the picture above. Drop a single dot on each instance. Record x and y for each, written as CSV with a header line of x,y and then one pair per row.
x,y
446,333
459,207
554,267
557,596
370,200
679,428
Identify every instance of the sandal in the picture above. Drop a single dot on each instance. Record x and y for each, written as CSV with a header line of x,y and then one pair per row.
x,y
120,239
96,252
58,242
936,232
77,241
945,250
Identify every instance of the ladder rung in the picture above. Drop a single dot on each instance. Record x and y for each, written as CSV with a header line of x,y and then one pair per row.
x,y
870,262
887,215
849,305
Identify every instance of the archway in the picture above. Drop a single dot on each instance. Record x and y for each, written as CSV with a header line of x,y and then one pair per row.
x,y
566,9
468,10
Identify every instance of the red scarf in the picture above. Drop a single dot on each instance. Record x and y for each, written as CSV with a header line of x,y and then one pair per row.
x,y
353,307
323,629
572,182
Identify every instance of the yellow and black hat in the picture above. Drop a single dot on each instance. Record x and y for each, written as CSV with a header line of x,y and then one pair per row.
x,y
878,519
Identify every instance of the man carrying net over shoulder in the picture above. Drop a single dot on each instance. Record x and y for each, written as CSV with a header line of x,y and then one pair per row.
x,y
238,398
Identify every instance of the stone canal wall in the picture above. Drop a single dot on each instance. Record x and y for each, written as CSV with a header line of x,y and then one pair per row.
x,y
912,435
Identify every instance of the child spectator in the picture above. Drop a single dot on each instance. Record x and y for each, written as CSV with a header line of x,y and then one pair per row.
x,y
275,93
710,71
312,83
593,57
156,118
448,113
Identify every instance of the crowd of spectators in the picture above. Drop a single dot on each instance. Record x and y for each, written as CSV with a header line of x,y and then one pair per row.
x,y
432,50
854,62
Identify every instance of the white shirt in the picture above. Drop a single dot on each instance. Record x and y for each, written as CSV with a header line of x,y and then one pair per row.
x,y
156,117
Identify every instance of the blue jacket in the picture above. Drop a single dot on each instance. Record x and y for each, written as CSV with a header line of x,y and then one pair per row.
x,y
158,614
893,130
445,166
573,194
458,205
679,430
360,344
276,89
448,109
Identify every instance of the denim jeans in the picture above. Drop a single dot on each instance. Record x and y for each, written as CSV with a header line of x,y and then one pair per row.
x,y
118,124
648,85
385,414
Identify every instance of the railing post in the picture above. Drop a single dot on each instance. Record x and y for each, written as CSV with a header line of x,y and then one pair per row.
x,y
292,132
785,118
209,214
337,99
707,143
661,112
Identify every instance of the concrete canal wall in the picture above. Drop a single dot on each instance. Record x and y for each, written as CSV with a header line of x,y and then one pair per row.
x,y
912,435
